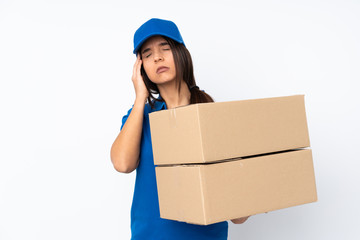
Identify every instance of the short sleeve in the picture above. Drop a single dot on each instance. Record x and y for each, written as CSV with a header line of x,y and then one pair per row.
x,y
125,118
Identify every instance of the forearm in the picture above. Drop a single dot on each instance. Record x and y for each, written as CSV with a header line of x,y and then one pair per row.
x,y
126,147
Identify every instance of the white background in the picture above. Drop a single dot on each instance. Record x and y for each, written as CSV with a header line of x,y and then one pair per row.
x,y
65,70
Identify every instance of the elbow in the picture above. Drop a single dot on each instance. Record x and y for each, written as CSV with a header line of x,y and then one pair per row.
x,y
121,164
123,168
122,161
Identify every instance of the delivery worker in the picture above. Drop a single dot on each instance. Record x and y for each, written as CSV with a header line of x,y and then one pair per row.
x,y
163,66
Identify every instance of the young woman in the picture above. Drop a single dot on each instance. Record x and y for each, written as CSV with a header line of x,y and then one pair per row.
x,y
163,66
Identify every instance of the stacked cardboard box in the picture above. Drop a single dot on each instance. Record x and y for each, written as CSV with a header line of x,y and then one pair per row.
x,y
221,161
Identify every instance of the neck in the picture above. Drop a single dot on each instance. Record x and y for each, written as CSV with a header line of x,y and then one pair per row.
x,y
169,92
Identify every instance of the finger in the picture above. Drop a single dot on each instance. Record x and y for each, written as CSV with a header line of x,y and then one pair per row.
x,y
139,66
135,66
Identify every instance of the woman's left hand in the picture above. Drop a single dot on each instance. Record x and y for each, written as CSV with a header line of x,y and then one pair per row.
x,y
240,220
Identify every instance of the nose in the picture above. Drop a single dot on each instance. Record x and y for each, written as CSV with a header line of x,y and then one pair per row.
x,y
158,56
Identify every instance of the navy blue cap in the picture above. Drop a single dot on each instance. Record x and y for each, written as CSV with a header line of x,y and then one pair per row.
x,y
154,27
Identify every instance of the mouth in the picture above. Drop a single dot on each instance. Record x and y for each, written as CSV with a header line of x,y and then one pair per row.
x,y
161,69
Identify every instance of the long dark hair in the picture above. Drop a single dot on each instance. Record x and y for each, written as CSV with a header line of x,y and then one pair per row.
x,y
184,70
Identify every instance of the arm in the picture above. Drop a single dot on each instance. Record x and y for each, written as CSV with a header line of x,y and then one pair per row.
x,y
125,150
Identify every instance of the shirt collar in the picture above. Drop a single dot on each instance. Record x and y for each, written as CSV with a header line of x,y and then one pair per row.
x,y
159,105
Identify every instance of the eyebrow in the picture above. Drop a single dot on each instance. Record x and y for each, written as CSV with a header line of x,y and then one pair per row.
x,y
160,44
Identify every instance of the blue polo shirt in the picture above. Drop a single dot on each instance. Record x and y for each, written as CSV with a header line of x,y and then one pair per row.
x,y
146,223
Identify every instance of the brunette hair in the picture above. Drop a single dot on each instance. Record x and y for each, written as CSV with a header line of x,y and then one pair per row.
x,y
184,70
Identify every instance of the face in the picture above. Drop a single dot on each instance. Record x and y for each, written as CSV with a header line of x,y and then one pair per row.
x,y
158,60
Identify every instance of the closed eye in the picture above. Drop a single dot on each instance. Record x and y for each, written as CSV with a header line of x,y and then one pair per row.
x,y
165,45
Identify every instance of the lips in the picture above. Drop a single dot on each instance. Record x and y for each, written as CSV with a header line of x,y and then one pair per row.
x,y
161,69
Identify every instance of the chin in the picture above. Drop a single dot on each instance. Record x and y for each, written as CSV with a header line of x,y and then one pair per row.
x,y
163,81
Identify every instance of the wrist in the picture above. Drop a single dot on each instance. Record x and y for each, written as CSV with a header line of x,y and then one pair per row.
x,y
140,100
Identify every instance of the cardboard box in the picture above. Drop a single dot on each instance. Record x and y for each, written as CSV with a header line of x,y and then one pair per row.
x,y
209,132
209,193
226,160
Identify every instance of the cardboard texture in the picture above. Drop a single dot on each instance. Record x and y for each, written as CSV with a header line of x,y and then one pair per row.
x,y
226,160
209,132
210,193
